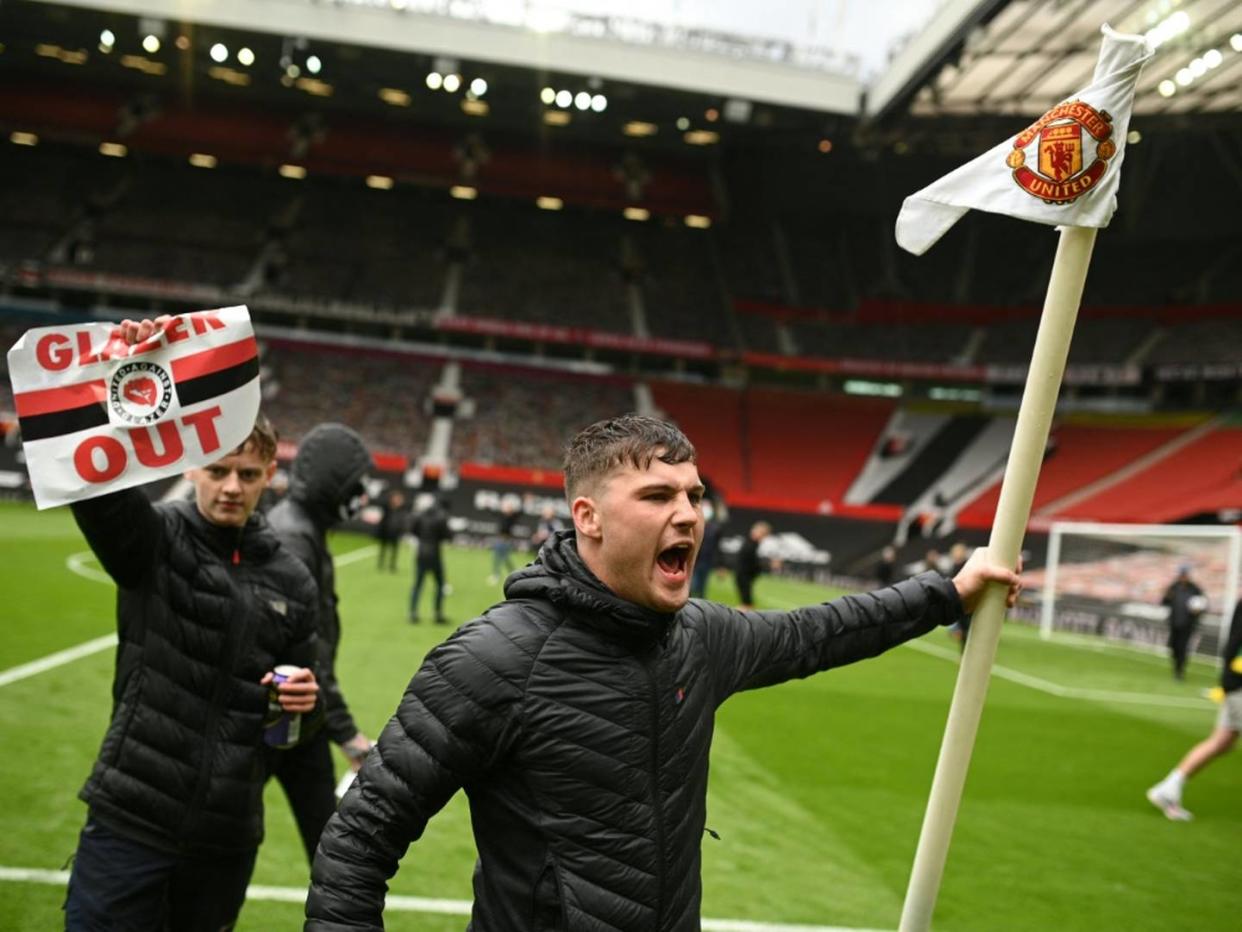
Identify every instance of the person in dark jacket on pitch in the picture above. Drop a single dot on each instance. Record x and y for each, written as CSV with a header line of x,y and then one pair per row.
x,y
325,487
1186,603
431,530
749,566
391,525
208,603
578,713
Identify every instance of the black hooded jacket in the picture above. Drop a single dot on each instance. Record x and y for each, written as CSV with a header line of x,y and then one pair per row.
x,y
579,725
203,612
330,465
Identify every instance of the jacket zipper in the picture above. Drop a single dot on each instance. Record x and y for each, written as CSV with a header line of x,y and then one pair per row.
x,y
657,802
217,702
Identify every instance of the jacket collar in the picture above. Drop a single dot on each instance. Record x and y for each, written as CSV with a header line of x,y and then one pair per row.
x,y
559,576
254,542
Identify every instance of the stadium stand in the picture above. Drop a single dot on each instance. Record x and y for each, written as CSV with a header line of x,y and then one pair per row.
x,y
522,417
683,292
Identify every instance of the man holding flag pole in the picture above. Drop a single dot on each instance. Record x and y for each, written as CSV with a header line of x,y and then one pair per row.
x,y
1062,170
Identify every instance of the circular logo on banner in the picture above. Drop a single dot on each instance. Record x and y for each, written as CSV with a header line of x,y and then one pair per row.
x,y
140,392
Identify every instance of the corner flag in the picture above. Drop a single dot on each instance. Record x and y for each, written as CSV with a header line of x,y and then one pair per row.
x,y
1062,170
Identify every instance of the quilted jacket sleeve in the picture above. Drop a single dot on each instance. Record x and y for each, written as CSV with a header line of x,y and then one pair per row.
x,y
457,717
123,530
752,649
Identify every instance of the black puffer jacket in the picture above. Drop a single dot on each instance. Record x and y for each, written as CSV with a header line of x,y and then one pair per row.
x,y
203,612
579,726
331,462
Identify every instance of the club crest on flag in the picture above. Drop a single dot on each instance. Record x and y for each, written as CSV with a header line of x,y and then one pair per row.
x,y
1059,148
139,393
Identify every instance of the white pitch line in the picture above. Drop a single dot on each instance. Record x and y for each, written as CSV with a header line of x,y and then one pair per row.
x,y
61,657
76,563
1068,692
419,904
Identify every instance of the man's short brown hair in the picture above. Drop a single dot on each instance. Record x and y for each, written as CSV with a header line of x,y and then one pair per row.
x,y
263,438
632,439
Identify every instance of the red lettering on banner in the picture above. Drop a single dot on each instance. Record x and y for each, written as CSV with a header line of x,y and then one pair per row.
x,y
52,353
202,321
144,448
204,425
114,456
85,356
175,331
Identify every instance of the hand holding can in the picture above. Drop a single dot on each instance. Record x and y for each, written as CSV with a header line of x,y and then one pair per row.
x,y
292,692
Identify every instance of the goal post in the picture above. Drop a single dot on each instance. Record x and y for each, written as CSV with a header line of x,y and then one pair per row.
x,y
1126,563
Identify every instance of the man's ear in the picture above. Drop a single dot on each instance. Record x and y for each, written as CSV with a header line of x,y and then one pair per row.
x,y
268,473
586,518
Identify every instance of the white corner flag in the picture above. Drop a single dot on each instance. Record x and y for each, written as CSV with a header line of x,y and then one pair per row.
x,y
1063,169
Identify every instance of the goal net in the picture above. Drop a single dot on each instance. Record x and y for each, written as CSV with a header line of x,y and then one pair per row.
x,y
1108,580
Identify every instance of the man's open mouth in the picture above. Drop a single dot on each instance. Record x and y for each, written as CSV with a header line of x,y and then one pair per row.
x,y
674,560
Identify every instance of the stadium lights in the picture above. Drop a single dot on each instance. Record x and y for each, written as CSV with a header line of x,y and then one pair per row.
x,y
1166,88
548,96
1168,28
639,128
113,150
1235,41
435,80
379,182
143,64
701,137
394,97
636,213
295,172
108,38
182,43
18,138
463,192
477,108
1198,67
582,100
599,103
549,203
564,99
202,160
150,44
712,115
947,393
452,82
68,56
219,53
698,221
229,75
556,118
1134,137
824,146
1184,77
245,56
683,123
313,64
1212,58
478,87
315,87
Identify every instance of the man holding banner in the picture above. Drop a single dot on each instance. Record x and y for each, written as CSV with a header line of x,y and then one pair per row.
x,y
208,604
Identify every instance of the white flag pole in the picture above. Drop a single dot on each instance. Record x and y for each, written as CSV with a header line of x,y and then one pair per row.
x,y
1043,381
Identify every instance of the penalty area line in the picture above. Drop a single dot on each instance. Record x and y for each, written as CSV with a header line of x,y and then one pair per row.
x,y
418,904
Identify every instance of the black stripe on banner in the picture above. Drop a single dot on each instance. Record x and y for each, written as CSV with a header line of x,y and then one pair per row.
x,y
71,420
217,383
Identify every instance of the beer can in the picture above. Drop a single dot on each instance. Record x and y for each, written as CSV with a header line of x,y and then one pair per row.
x,y
281,729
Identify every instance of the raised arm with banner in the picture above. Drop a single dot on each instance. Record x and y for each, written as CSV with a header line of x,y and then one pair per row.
x,y
98,415
1062,170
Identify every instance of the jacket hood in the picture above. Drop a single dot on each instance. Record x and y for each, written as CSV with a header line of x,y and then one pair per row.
x,y
559,576
331,460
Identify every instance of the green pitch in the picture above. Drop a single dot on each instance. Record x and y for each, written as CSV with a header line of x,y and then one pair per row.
x,y
817,791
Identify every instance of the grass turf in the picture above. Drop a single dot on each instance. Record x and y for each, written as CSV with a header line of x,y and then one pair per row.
x,y
817,789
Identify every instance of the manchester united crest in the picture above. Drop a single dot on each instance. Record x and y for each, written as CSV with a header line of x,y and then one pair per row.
x,y
1063,154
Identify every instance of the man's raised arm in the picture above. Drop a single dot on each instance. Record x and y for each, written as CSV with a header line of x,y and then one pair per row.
x,y
753,649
